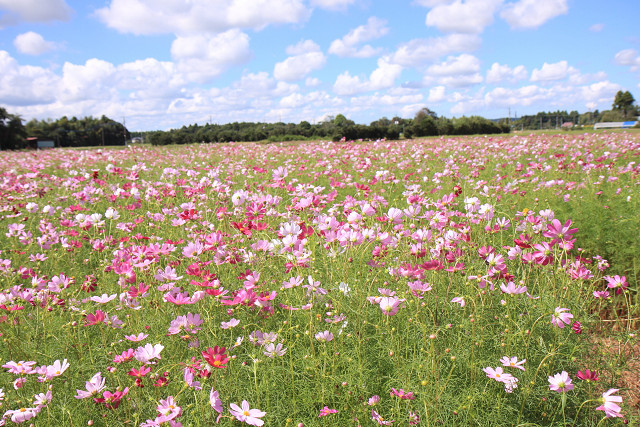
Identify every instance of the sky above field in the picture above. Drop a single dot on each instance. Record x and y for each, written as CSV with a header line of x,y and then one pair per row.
x,y
161,64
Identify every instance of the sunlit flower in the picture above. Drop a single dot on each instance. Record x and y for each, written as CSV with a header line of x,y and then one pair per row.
x,y
610,404
560,382
243,414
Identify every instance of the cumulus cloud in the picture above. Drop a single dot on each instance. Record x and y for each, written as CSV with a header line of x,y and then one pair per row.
x,y
455,65
417,52
22,85
551,72
33,11
533,13
382,77
93,80
628,58
306,58
198,16
31,43
348,46
471,16
503,73
436,94
202,57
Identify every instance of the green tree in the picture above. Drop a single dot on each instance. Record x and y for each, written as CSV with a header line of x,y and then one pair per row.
x,y
12,131
623,101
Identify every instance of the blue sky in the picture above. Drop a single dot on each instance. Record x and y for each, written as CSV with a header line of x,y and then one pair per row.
x,y
161,64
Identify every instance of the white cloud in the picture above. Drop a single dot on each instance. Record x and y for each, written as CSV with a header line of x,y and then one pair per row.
x,y
198,16
629,58
436,94
533,13
93,80
600,93
550,72
307,58
471,16
312,82
332,4
202,57
22,85
503,73
347,46
419,51
31,43
381,78
384,76
453,66
34,11
346,84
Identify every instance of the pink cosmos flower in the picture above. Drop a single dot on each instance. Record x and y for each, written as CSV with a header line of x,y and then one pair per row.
x,y
271,350
136,338
601,294
610,404
230,324
402,394
373,400
560,382
378,418
560,318
243,414
390,305
324,336
21,415
513,362
459,300
94,386
326,411
169,409
148,352
20,367
214,401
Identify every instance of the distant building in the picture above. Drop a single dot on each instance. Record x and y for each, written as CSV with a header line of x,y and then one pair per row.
x,y
34,144
615,125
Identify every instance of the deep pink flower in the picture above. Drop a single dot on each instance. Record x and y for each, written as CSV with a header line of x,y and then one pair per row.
x,y
326,411
587,375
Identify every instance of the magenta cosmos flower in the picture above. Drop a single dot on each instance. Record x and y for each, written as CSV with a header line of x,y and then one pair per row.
x,y
243,414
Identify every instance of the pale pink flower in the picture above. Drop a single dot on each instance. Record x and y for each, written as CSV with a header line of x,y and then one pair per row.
x,y
513,362
610,404
244,414
560,317
560,382
148,352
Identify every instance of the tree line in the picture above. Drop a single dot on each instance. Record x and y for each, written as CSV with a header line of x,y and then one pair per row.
x,y
425,123
64,132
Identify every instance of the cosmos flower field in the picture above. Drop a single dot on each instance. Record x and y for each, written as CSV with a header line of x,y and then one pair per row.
x,y
460,281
